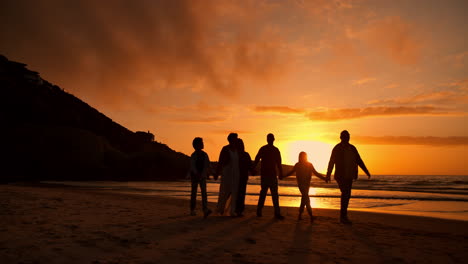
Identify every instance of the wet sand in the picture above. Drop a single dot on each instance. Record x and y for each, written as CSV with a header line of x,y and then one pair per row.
x,y
46,224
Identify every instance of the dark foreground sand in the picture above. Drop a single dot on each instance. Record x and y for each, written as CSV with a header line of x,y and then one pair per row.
x,y
43,224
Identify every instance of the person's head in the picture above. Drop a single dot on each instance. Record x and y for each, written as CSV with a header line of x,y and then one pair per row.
x,y
344,136
302,157
270,138
197,143
240,145
232,139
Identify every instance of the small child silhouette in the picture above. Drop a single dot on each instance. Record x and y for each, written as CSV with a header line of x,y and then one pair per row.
x,y
199,171
304,170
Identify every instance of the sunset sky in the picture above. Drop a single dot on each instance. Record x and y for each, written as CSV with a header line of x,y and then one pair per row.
x,y
393,73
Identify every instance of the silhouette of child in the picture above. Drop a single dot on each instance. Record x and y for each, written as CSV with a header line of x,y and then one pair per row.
x,y
304,171
199,171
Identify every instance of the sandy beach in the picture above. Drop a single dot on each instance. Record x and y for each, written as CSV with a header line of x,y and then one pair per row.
x,y
46,224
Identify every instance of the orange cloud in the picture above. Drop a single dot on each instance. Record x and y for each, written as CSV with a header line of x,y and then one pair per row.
x,y
395,38
337,114
363,81
226,132
279,109
458,60
110,52
354,113
200,120
345,58
445,97
407,140
453,93
461,85
325,8
201,107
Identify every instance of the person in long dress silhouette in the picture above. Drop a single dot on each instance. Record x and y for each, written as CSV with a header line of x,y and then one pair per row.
x,y
245,163
228,166
346,159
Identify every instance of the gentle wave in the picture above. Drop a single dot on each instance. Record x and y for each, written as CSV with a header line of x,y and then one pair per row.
x,y
386,197
414,183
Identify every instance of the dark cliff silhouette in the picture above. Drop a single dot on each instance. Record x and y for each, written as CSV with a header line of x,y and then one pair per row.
x,y
48,133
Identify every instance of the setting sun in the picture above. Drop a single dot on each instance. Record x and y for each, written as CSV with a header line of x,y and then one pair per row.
x,y
318,153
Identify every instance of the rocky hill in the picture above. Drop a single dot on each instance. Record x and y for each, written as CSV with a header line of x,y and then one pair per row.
x,y
51,134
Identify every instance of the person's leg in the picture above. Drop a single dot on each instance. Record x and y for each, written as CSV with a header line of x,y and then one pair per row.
x,y
241,195
204,194
275,197
222,197
261,198
305,193
234,194
206,210
305,202
301,209
346,196
345,188
309,208
193,197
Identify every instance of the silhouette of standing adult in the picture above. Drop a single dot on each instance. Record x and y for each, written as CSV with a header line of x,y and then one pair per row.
x,y
271,161
245,163
228,166
345,158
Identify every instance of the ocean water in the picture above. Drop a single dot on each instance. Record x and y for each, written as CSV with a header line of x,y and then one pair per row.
x,y
423,195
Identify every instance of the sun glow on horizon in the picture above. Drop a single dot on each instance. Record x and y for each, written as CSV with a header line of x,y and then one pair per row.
x,y
318,153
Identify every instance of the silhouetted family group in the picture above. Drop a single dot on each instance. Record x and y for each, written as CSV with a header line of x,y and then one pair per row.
x,y
235,164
